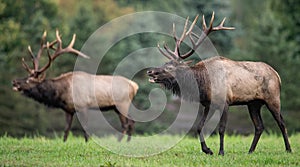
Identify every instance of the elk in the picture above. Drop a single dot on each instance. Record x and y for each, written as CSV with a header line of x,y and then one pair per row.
x,y
76,91
245,83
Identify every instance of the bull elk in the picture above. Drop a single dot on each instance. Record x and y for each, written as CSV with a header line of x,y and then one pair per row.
x,y
76,91
246,83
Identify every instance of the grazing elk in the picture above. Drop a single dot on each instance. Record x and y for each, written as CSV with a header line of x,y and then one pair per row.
x,y
245,83
76,91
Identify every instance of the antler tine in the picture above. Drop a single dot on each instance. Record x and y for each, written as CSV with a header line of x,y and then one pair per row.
x,y
186,32
59,50
49,60
192,25
59,41
183,35
27,68
174,33
221,26
32,56
72,41
40,52
194,35
72,50
30,52
205,31
173,54
204,27
34,59
163,53
51,45
211,22
190,33
43,38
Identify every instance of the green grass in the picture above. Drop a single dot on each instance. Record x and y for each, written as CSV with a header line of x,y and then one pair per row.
x,y
41,151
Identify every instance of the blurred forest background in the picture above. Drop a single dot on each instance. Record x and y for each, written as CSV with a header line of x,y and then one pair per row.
x,y
267,31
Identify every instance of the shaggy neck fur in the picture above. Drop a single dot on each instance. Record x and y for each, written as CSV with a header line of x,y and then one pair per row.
x,y
186,83
49,93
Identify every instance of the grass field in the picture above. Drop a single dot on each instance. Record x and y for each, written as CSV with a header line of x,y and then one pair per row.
x,y
41,151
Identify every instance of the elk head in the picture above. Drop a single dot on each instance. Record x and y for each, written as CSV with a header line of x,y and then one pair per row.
x,y
36,74
167,73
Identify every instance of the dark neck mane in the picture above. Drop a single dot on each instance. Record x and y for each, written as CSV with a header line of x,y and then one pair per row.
x,y
48,92
191,84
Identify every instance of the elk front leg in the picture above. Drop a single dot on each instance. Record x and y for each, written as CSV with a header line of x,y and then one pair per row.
x,y
122,110
222,127
254,110
69,120
205,149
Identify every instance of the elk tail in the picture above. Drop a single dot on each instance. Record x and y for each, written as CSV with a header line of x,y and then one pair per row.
x,y
279,79
135,87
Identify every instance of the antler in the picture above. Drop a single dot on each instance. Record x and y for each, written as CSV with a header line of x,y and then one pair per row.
x,y
57,52
192,36
175,54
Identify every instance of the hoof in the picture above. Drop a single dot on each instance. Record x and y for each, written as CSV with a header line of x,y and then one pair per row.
x,y
221,153
208,151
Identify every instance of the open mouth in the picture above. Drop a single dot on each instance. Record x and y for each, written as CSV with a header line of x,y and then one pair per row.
x,y
151,80
16,88
154,77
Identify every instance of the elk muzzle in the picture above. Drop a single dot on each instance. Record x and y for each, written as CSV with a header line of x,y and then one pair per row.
x,y
151,74
16,85
156,75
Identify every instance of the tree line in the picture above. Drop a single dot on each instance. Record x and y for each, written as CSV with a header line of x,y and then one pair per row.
x,y
266,31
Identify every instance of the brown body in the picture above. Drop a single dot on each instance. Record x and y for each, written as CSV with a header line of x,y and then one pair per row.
x,y
77,91
244,81
221,83
93,91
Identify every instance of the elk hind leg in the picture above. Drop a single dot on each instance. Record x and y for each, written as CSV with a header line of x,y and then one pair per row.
x,y
130,128
122,110
275,110
124,126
